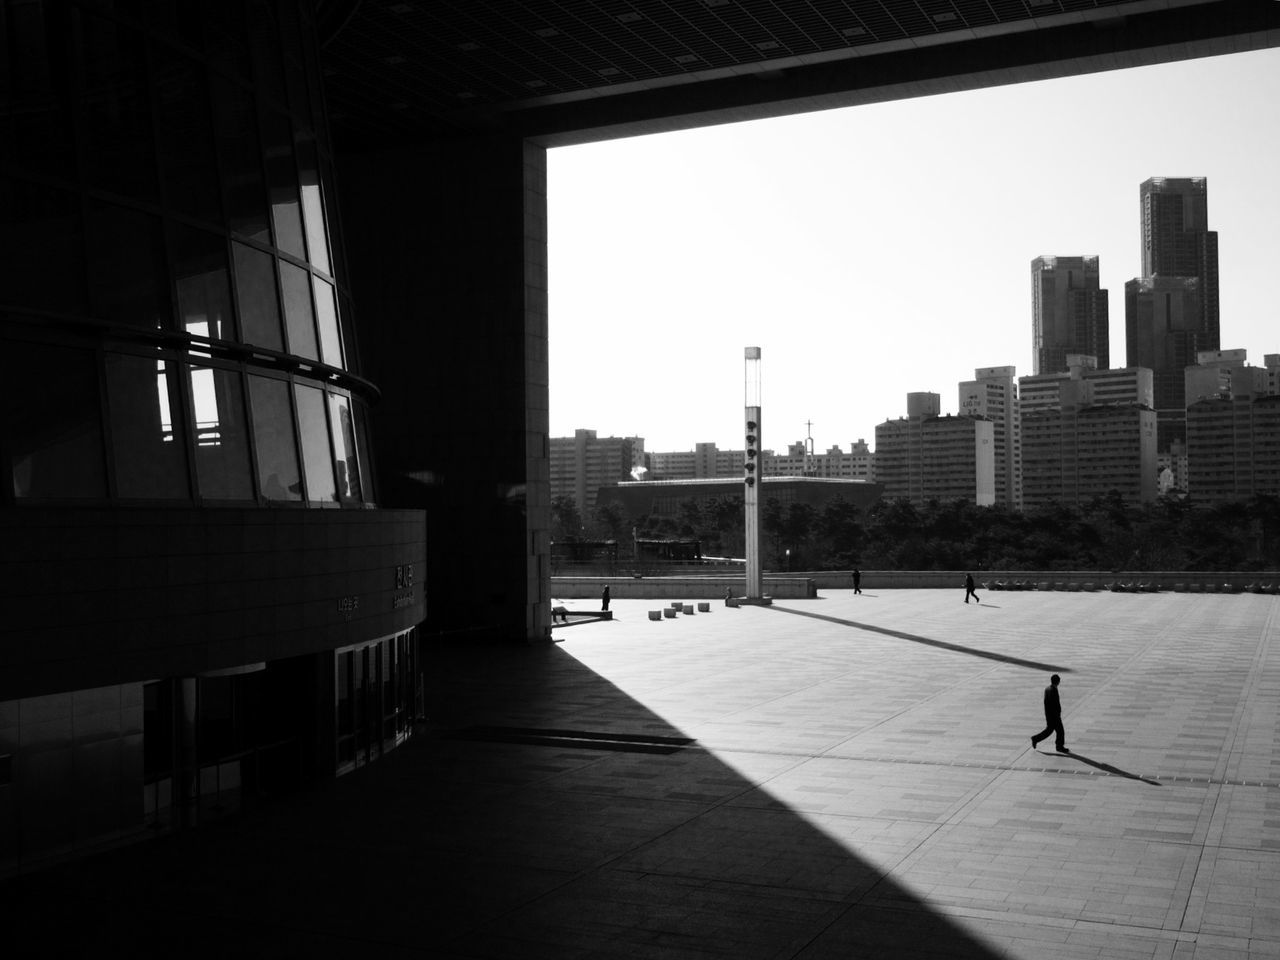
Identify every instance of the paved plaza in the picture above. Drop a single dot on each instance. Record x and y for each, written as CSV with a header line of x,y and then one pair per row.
x,y
849,776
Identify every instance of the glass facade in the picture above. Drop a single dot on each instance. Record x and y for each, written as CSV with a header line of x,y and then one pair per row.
x,y
176,312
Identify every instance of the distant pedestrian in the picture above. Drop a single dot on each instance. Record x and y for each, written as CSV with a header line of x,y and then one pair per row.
x,y
968,589
604,598
857,580
1052,717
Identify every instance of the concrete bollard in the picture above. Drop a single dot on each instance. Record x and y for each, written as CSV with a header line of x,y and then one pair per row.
x,y
669,613
655,614
688,608
704,607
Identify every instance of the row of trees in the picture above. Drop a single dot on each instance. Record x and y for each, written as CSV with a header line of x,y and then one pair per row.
x,y
1106,534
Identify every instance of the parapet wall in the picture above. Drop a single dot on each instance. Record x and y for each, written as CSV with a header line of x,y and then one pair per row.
x,y
791,587
1203,581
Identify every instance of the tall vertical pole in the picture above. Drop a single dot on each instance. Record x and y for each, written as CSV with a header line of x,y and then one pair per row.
x,y
751,474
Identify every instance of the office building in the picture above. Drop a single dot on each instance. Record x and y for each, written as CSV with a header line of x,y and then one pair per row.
x,y
583,463
1086,434
275,302
993,395
1171,310
924,456
1069,312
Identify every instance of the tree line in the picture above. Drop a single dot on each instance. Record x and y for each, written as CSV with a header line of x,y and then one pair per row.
x,y
1106,534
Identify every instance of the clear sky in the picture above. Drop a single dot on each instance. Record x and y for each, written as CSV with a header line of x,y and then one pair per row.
x,y
879,250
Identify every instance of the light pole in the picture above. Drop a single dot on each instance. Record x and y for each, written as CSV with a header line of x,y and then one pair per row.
x,y
751,475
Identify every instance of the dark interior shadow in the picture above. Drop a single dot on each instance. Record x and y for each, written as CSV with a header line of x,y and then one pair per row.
x,y
478,846
1108,768
927,641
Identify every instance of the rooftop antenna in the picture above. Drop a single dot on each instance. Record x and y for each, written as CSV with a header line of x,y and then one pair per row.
x,y
808,450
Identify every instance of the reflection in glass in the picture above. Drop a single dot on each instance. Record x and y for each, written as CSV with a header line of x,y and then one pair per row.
x,y
368,487
327,320
221,438
257,296
128,278
316,457
345,463
312,205
204,294
282,176
35,129
147,449
235,125
53,438
297,311
278,476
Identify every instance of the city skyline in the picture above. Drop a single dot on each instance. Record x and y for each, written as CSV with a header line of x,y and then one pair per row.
x,y
840,242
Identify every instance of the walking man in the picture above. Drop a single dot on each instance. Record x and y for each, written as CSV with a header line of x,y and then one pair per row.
x,y
857,580
968,589
1052,717
604,598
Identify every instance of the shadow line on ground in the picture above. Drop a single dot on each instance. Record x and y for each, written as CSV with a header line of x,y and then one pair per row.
x,y
1108,768
928,641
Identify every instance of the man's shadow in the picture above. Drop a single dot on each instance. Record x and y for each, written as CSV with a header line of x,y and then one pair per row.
x,y
1106,767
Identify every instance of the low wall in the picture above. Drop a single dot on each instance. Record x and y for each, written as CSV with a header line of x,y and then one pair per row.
x,y
791,586
1206,581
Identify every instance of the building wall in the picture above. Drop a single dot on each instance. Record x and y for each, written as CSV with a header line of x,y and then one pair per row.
x,y
1233,448
993,395
1069,312
925,457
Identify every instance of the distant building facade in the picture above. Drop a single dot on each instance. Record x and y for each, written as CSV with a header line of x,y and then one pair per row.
x,y
836,464
1076,446
925,456
581,464
663,498
993,395
1069,312
1233,427
705,460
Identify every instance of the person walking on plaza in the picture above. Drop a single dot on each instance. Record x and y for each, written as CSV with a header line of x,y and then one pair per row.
x,y
1052,717
968,589
604,598
857,580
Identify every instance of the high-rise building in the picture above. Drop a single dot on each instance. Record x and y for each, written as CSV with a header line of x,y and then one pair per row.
x,y
704,461
583,463
1069,312
924,456
993,395
1171,310
1077,446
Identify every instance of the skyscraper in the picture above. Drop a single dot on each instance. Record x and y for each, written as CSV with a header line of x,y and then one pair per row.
x,y
1171,311
1069,312
993,395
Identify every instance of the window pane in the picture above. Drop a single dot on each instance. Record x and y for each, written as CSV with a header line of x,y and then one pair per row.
x,y
278,477
52,427
257,296
116,118
41,247
315,443
236,127
282,176
147,446
221,439
312,205
345,462
184,134
35,127
297,311
367,481
327,316
204,294
128,280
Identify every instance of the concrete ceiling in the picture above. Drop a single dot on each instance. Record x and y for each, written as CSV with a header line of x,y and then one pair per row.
x,y
569,71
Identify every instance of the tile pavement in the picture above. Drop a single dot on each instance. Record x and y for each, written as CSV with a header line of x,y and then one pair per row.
x,y
861,785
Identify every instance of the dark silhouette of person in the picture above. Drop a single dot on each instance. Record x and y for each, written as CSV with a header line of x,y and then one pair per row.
x,y
604,598
968,589
1052,718
857,580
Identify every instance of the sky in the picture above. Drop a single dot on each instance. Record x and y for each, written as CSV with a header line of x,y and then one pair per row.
x,y
879,250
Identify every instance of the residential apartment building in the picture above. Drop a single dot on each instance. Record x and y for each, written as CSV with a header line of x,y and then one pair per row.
x,y
1069,312
704,461
1233,427
856,464
925,456
993,395
583,463
1077,446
